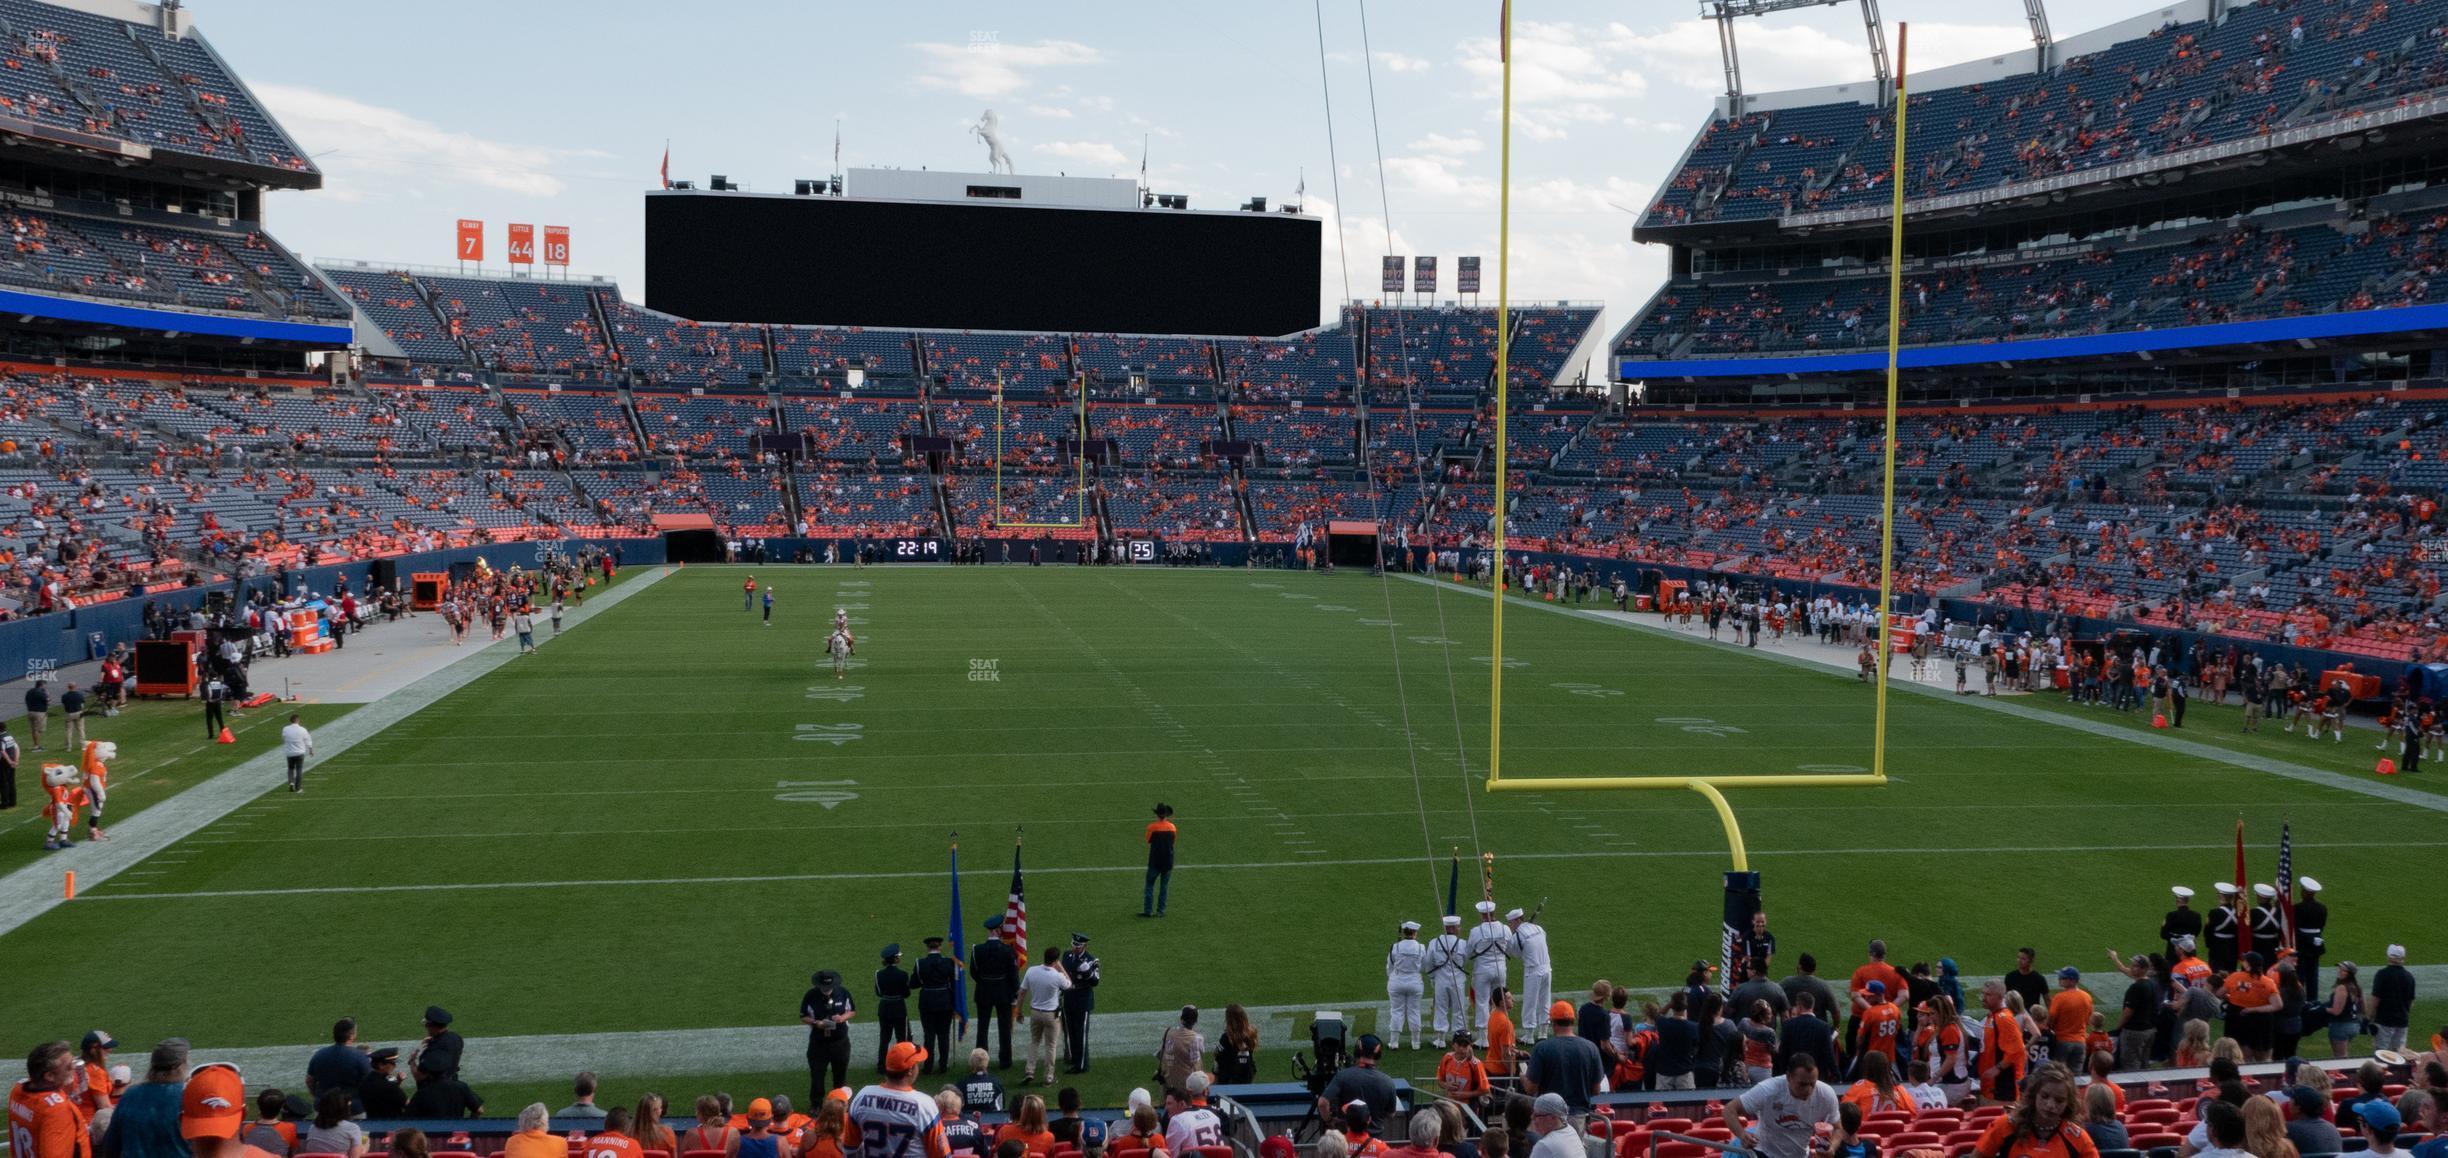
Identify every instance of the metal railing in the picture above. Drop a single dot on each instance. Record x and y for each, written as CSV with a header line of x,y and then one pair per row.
x,y
479,271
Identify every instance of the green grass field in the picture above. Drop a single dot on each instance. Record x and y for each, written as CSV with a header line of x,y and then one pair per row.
x,y
671,815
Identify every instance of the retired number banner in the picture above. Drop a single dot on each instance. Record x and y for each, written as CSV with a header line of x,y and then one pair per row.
x,y
471,239
522,245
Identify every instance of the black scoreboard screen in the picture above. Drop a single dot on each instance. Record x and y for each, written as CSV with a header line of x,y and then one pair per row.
x,y
729,257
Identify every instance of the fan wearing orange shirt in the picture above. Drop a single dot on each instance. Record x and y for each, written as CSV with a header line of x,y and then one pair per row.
x,y
613,1141
2003,1059
1028,1127
1460,1074
2041,1124
1879,1027
2252,1003
44,1118
1877,970
2069,1019
94,1072
1501,1035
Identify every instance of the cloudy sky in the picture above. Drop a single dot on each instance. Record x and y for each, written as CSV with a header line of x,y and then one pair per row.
x,y
552,112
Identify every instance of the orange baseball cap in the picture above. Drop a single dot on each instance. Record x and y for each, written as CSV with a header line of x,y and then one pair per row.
x,y
1562,1011
760,1110
905,1055
842,1094
214,1105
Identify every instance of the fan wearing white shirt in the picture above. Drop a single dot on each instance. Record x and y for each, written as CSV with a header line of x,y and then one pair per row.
x,y
1042,986
297,744
1189,1125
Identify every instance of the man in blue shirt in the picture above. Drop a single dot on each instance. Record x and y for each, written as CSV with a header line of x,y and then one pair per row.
x,y
145,1123
340,1065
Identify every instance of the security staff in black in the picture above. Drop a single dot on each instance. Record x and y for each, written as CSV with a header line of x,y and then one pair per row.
x,y
1078,1002
994,984
826,1012
892,990
937,1004
2311,921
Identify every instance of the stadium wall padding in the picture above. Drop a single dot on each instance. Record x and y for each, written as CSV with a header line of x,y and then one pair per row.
x,y
65,638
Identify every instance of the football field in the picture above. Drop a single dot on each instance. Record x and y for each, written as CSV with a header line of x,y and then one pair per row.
x,y
670,816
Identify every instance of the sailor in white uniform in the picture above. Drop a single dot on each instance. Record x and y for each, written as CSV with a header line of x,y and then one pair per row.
x,y
1538,970
1406,962
1448,966
1491,952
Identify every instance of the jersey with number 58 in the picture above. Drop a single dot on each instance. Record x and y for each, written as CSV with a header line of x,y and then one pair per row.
x,y
890,1123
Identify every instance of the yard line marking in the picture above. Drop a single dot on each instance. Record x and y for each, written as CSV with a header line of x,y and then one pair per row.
x,y
2242,760
1237,866
34,889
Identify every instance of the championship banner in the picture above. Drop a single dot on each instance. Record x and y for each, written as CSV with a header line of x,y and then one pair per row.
x,y
522,245
1423,275
556,245
471,239
1466,275
1393,275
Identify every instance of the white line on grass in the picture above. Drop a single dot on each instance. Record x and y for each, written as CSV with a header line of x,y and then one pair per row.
x,y
1242,866
33,890
2243,760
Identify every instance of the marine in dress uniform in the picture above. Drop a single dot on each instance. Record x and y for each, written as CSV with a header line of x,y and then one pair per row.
x,y
1491,951
892,990
2311,923
824,1010
994,984
2181,921
1404,965
1538,970
935,977
2224,926
2267,928
1448,967
1079,1001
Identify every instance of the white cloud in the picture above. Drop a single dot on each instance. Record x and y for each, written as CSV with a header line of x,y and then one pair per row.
x,y
994,69
1093,153
1397,62
1050,112
1441,145
367,149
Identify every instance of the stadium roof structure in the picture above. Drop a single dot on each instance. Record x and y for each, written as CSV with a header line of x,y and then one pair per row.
x,y
135,85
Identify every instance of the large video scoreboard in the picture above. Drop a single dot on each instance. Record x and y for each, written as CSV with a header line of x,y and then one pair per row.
x,y
979,265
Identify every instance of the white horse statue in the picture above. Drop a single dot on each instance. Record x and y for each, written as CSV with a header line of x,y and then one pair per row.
x,y
989,129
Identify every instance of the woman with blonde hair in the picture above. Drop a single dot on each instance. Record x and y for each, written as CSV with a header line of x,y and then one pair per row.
x,y
2193,1048
2229,1048
2041,1124
1028,1127
713,1130
646,1125
2265,1133
824,1135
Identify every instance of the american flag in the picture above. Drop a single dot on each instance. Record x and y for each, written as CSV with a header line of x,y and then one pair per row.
x,y
1015,911
2286,886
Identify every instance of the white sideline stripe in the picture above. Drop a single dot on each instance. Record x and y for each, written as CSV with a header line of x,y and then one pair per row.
x,y
1238,866
2244,760
1589,828
1115,1039
34,890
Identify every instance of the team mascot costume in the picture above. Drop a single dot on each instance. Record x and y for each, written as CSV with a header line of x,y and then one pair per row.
x,y
72,787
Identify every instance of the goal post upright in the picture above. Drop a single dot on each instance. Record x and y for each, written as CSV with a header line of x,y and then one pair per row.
x,y
1079,446
1895,339
1504,352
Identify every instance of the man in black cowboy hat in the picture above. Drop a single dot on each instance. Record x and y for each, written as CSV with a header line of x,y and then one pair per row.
x,y
826,1011
1160,836
937,1004
892,990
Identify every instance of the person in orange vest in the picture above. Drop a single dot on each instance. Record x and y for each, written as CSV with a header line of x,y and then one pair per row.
x,y
2003,1059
